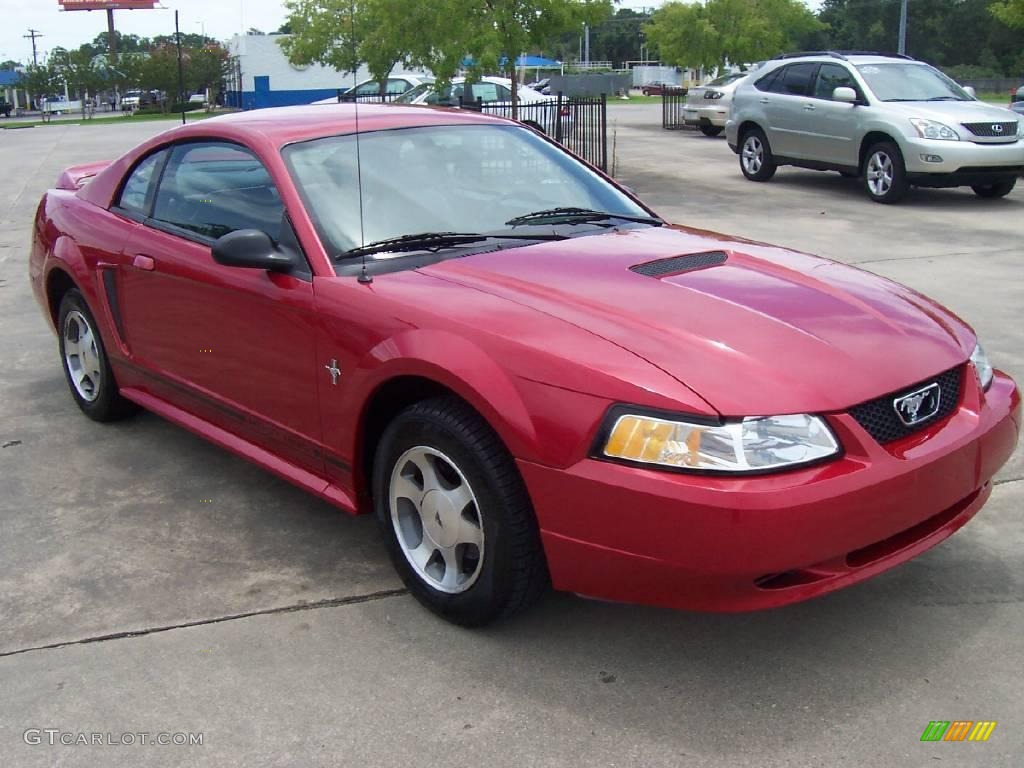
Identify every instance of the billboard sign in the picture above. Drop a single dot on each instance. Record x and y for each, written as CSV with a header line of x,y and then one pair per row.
x,y
105,5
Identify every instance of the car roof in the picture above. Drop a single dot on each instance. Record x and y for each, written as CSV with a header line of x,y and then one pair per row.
x,y
285,125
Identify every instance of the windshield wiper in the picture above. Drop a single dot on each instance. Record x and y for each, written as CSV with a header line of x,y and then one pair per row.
x,y
572,214
945,98
433,241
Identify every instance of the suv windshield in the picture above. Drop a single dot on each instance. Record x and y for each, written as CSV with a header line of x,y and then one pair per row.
x,y
441,179
414,93
902,81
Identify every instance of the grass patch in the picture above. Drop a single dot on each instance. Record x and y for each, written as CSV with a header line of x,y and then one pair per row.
x,y
191,117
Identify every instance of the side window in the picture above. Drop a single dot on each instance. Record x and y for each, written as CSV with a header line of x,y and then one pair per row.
x,y
766,82
486,92
504,94
136,189
795,80
368,89
212,188
396,86
830,77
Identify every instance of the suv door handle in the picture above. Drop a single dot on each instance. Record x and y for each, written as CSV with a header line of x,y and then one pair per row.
x,y
809,107
765,99
141,261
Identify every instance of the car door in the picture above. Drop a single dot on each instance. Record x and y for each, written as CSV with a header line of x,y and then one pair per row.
x,y
832,131
232,345
785,109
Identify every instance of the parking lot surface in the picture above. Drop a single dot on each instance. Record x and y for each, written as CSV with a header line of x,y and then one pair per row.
x,y
152,583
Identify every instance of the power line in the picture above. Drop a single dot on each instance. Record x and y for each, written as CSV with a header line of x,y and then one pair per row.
x,y
33,34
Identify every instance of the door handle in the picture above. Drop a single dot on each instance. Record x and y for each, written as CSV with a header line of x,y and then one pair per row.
x,y
765,100
808,107
142,261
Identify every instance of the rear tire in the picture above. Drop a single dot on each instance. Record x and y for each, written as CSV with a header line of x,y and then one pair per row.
x,y
84,360
455,514
885,175
756,159
998,189
711,130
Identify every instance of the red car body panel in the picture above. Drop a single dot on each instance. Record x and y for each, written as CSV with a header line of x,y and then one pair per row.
x,y
542,340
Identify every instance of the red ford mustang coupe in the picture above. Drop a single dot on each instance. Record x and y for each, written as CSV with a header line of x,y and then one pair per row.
x,y
527,375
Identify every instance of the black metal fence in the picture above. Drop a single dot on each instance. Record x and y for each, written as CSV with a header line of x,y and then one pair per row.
x,y
362,98
578,123
673,102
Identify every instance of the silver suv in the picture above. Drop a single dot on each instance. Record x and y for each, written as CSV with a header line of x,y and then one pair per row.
x,y
888,119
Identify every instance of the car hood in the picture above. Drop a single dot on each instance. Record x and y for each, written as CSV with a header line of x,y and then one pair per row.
x,y
952,113
769,331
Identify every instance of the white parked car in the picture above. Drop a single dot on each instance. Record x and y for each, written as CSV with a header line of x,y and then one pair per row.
x,y
369,90
707,106
489,90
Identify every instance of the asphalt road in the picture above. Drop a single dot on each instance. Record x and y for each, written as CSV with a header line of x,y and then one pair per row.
x,y
152,583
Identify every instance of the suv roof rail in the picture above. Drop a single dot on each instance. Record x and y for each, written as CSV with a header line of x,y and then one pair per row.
x,y
886,54
799,54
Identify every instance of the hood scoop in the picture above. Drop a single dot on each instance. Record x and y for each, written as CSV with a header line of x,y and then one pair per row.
x,y
675,265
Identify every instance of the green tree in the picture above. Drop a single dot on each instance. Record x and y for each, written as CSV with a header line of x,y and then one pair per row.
x,y
42,80
1010,12
717,32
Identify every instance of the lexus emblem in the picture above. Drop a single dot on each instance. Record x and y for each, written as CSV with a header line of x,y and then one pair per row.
x,y
918,406
997,127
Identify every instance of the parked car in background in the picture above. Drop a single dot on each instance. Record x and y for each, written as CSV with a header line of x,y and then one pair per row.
x,y
132,99
707,106
489,90
542,86
892,121
1017,96
367,90
1018,107
658,87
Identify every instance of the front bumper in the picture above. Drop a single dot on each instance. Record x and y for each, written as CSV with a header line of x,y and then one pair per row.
x,y
732,544
963,159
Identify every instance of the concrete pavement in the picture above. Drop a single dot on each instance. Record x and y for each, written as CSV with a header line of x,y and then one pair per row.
x,y
237,607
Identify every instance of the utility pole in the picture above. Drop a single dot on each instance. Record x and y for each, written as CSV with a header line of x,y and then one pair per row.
x,y
33,34
181,76
903,27
586,44
111,37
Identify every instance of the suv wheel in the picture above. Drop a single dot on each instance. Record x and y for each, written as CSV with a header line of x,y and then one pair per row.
x,y
756,160
885,177
999,189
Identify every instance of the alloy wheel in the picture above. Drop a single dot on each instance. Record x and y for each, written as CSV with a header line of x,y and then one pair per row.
x,y
753,155
81,356
436,519
880,173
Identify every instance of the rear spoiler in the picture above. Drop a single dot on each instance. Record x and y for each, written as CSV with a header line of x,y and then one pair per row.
x,y
77,176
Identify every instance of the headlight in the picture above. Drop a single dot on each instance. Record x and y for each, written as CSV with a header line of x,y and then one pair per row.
x,y
982,366
930,129
713,94
756,444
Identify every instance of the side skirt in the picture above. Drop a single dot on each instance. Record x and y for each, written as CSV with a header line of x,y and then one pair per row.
x,y
314,484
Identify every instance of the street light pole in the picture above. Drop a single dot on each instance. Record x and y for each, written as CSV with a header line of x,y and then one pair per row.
x,y
903,28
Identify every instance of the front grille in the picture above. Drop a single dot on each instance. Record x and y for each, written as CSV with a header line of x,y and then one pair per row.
x,y
676,264
989,130
879,417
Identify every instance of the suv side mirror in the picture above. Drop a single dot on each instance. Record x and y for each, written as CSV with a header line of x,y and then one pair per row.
x,y
970,91
845,95
251,248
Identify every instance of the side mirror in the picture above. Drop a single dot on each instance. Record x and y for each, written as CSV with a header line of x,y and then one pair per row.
x,y
969,89
845,95
251,248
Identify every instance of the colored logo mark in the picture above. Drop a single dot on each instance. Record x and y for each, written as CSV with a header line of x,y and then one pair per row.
x,y
958,730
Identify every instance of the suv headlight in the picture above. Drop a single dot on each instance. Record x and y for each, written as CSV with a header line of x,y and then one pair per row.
x,y
757,444
930,129
982,366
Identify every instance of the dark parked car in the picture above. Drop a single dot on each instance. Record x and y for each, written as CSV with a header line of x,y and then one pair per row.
x,y
658,87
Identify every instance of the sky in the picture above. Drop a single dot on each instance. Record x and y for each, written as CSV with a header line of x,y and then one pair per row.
x,y
220,18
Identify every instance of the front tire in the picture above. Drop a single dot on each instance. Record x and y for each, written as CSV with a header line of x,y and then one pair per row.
x,y
84,360
711,130
455,514
885,175
998,189
756,159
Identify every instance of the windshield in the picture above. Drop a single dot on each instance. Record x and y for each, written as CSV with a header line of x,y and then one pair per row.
x,y
726,79
414,93
467,178
900,81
